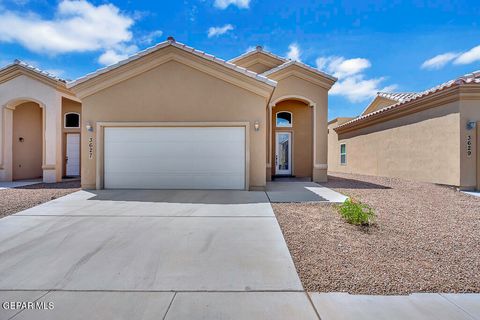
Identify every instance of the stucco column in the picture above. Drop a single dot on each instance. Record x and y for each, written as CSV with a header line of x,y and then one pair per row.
x,y
269,143
6,121
320,140
52,159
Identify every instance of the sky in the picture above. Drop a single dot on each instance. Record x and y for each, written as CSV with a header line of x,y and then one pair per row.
x,y
370,46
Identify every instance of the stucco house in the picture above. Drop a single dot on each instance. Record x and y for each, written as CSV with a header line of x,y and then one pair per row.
x,y
429,136
171,117
39,125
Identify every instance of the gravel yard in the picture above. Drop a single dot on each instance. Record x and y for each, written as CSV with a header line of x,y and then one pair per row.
x,y
426,239
21,198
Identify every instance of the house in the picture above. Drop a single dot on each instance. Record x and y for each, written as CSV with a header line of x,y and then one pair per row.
x,y
429,136
177,118
39,125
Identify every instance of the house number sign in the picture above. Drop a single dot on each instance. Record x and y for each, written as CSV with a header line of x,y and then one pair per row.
x,y
90,148
469,146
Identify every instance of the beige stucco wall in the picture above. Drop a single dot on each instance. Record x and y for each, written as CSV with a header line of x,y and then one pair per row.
x,y
333,145
292,87
175,92
421,146
302,137
469,111
27,141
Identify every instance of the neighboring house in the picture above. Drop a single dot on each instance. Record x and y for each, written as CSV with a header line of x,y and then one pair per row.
x,y
39,125
174,117
429,136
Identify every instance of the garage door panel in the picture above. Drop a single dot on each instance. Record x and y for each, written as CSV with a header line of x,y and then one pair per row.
x,y
176,181
175,158
176,150
169,165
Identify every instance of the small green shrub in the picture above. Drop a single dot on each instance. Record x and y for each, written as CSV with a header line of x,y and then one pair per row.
x,y
356,213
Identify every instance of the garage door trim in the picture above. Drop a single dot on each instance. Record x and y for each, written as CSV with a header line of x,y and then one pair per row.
x,y
100,149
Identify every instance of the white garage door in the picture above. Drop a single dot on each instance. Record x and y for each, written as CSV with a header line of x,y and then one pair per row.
x,y
175,158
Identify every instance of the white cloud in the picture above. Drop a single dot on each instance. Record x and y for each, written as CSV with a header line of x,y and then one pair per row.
x,y
352,83
341,67
357,89
223,4
294,52
151,37
218,31
116,54
469,56
77,26
439,61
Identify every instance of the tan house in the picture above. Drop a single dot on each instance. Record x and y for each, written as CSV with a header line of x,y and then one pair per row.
x,y
178,118
429,136
39,125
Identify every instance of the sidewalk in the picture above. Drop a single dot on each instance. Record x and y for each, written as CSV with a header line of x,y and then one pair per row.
x,y
422,306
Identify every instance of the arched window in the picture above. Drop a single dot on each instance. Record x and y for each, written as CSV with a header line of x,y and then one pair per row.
x,y
72,120
284,119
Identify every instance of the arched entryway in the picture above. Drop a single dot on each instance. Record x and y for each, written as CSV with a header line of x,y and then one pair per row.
x,y
292,138
27,141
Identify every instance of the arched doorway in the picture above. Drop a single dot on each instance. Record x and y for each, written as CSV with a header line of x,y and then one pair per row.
x,y
292,139
27,141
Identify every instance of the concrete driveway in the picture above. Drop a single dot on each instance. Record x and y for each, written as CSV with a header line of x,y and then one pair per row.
x,y
137,254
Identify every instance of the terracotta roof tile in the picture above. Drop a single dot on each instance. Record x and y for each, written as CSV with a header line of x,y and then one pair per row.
x,y
470,78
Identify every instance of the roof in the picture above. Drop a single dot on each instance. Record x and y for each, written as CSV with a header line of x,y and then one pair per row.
x,y
258,49
397,96
23,64
340,119
393,96
181,46
467,79
301,65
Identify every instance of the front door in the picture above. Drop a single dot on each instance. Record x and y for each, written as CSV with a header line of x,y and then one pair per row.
x,y
73,155
283,154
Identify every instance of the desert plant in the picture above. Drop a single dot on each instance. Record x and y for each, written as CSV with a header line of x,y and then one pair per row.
x,y
356,213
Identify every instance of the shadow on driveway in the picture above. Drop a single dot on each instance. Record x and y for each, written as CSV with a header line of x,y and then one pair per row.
x,y
182,196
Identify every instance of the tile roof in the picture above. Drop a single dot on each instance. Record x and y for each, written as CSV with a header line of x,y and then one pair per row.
x,y
256,50
173,43
301,65
397,96
25,65
470,78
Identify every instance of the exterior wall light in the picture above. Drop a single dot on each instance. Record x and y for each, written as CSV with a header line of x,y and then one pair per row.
x,y
88,126
256,125
471,125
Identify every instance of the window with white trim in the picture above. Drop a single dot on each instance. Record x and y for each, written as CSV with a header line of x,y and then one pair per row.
x,y
284,119
343,154
72,120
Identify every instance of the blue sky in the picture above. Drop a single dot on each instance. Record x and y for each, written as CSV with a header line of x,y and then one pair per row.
x,y
369,45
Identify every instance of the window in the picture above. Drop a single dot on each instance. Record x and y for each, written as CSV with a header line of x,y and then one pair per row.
x,y
72,120
284,119
343,154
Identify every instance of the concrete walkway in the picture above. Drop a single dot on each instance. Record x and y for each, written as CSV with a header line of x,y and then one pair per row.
x,y
421,306
301,191
18,183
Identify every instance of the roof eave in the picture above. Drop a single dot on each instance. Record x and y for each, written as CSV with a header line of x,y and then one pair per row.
x,y
182,47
